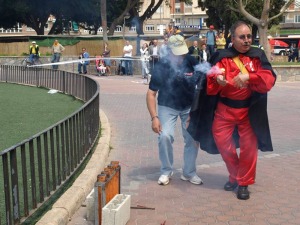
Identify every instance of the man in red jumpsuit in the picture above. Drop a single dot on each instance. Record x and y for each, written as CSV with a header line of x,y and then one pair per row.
x,y
230,109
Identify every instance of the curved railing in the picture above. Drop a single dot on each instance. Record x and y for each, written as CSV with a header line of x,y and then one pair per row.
x,y
31,171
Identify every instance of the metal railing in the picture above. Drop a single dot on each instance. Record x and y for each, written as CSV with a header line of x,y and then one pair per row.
x,y
34,169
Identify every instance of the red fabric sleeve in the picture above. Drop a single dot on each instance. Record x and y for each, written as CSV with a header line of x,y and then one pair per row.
x,y
261,80
212,86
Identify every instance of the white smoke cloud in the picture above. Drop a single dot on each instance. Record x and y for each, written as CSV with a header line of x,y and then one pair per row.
x,y
203,67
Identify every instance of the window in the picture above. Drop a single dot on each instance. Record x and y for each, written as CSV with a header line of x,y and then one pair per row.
x,y
118,28
188,8
132,29
188,5
194,21
159,10
149,27
177,7
29,29
297,18
283,19
177,21
158,27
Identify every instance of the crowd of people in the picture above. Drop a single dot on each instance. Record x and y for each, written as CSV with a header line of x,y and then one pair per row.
x,y
202,49
150,53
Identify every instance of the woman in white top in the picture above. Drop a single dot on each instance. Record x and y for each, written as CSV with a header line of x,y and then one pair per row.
x,y
145,60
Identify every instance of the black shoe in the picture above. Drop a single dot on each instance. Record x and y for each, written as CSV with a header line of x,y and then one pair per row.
x,y
85,72
80,72
230,186
243,193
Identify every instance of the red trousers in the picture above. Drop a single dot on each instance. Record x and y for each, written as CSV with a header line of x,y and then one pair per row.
x,y
242,166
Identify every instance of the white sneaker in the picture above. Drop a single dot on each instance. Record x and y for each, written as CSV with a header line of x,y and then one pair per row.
x,y
164,179
194,180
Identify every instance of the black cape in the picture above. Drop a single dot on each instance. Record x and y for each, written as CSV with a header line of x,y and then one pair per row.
x,y
203,108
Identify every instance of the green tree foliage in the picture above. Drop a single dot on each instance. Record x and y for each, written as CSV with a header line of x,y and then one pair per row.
x,y
35,13
87,13
220,12
261,14
7,14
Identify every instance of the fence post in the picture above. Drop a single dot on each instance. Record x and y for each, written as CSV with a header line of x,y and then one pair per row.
x,y
64,81
37,77
108,186
101,179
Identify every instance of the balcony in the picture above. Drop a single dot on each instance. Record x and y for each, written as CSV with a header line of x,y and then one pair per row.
x,y
290,25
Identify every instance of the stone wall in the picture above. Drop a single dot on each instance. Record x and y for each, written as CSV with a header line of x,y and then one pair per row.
x,y
287,73
284,73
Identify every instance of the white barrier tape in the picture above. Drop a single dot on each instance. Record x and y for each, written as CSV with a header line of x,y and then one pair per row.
x,y
84,60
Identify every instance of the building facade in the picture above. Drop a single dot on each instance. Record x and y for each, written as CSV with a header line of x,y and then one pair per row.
x,y
189,18
291,20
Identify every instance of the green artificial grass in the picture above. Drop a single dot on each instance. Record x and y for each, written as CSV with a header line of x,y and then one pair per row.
x,y
25,111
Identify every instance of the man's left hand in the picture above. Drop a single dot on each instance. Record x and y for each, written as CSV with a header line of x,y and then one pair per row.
x,y
241,80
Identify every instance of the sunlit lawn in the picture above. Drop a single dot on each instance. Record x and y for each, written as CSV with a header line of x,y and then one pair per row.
x,y
25,111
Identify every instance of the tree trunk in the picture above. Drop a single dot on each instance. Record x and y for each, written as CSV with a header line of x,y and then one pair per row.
x,y
139,26
119,20
104,20
35,24
263,40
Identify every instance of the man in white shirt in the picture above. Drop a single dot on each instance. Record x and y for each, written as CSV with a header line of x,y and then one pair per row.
x,y
127,51
204,53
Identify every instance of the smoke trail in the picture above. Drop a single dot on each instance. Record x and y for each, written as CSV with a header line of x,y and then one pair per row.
x,y
203,67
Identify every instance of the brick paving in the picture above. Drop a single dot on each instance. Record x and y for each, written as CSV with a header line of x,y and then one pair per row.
x,y
274,198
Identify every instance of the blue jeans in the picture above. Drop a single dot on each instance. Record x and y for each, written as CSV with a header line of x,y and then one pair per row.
x,y
145,68
211,49
33,57
128,66
55,58
168,118
84,67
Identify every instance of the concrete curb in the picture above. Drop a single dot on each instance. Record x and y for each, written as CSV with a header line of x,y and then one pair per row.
x,y
66,206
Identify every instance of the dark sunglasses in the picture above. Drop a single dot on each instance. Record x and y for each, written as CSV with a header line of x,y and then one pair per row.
x,y
243,37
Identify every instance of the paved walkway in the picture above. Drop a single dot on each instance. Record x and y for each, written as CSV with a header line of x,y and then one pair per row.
x,y
274,198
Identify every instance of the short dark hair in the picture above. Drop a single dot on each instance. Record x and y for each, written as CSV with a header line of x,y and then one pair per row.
x,y
238,24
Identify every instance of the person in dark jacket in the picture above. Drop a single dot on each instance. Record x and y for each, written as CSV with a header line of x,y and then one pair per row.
x,y
195,51
204,53
229,110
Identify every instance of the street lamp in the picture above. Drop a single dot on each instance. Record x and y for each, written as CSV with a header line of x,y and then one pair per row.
x,y
126,16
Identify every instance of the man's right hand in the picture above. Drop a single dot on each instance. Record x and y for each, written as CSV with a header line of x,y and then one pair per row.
x,y
156,127
221,80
